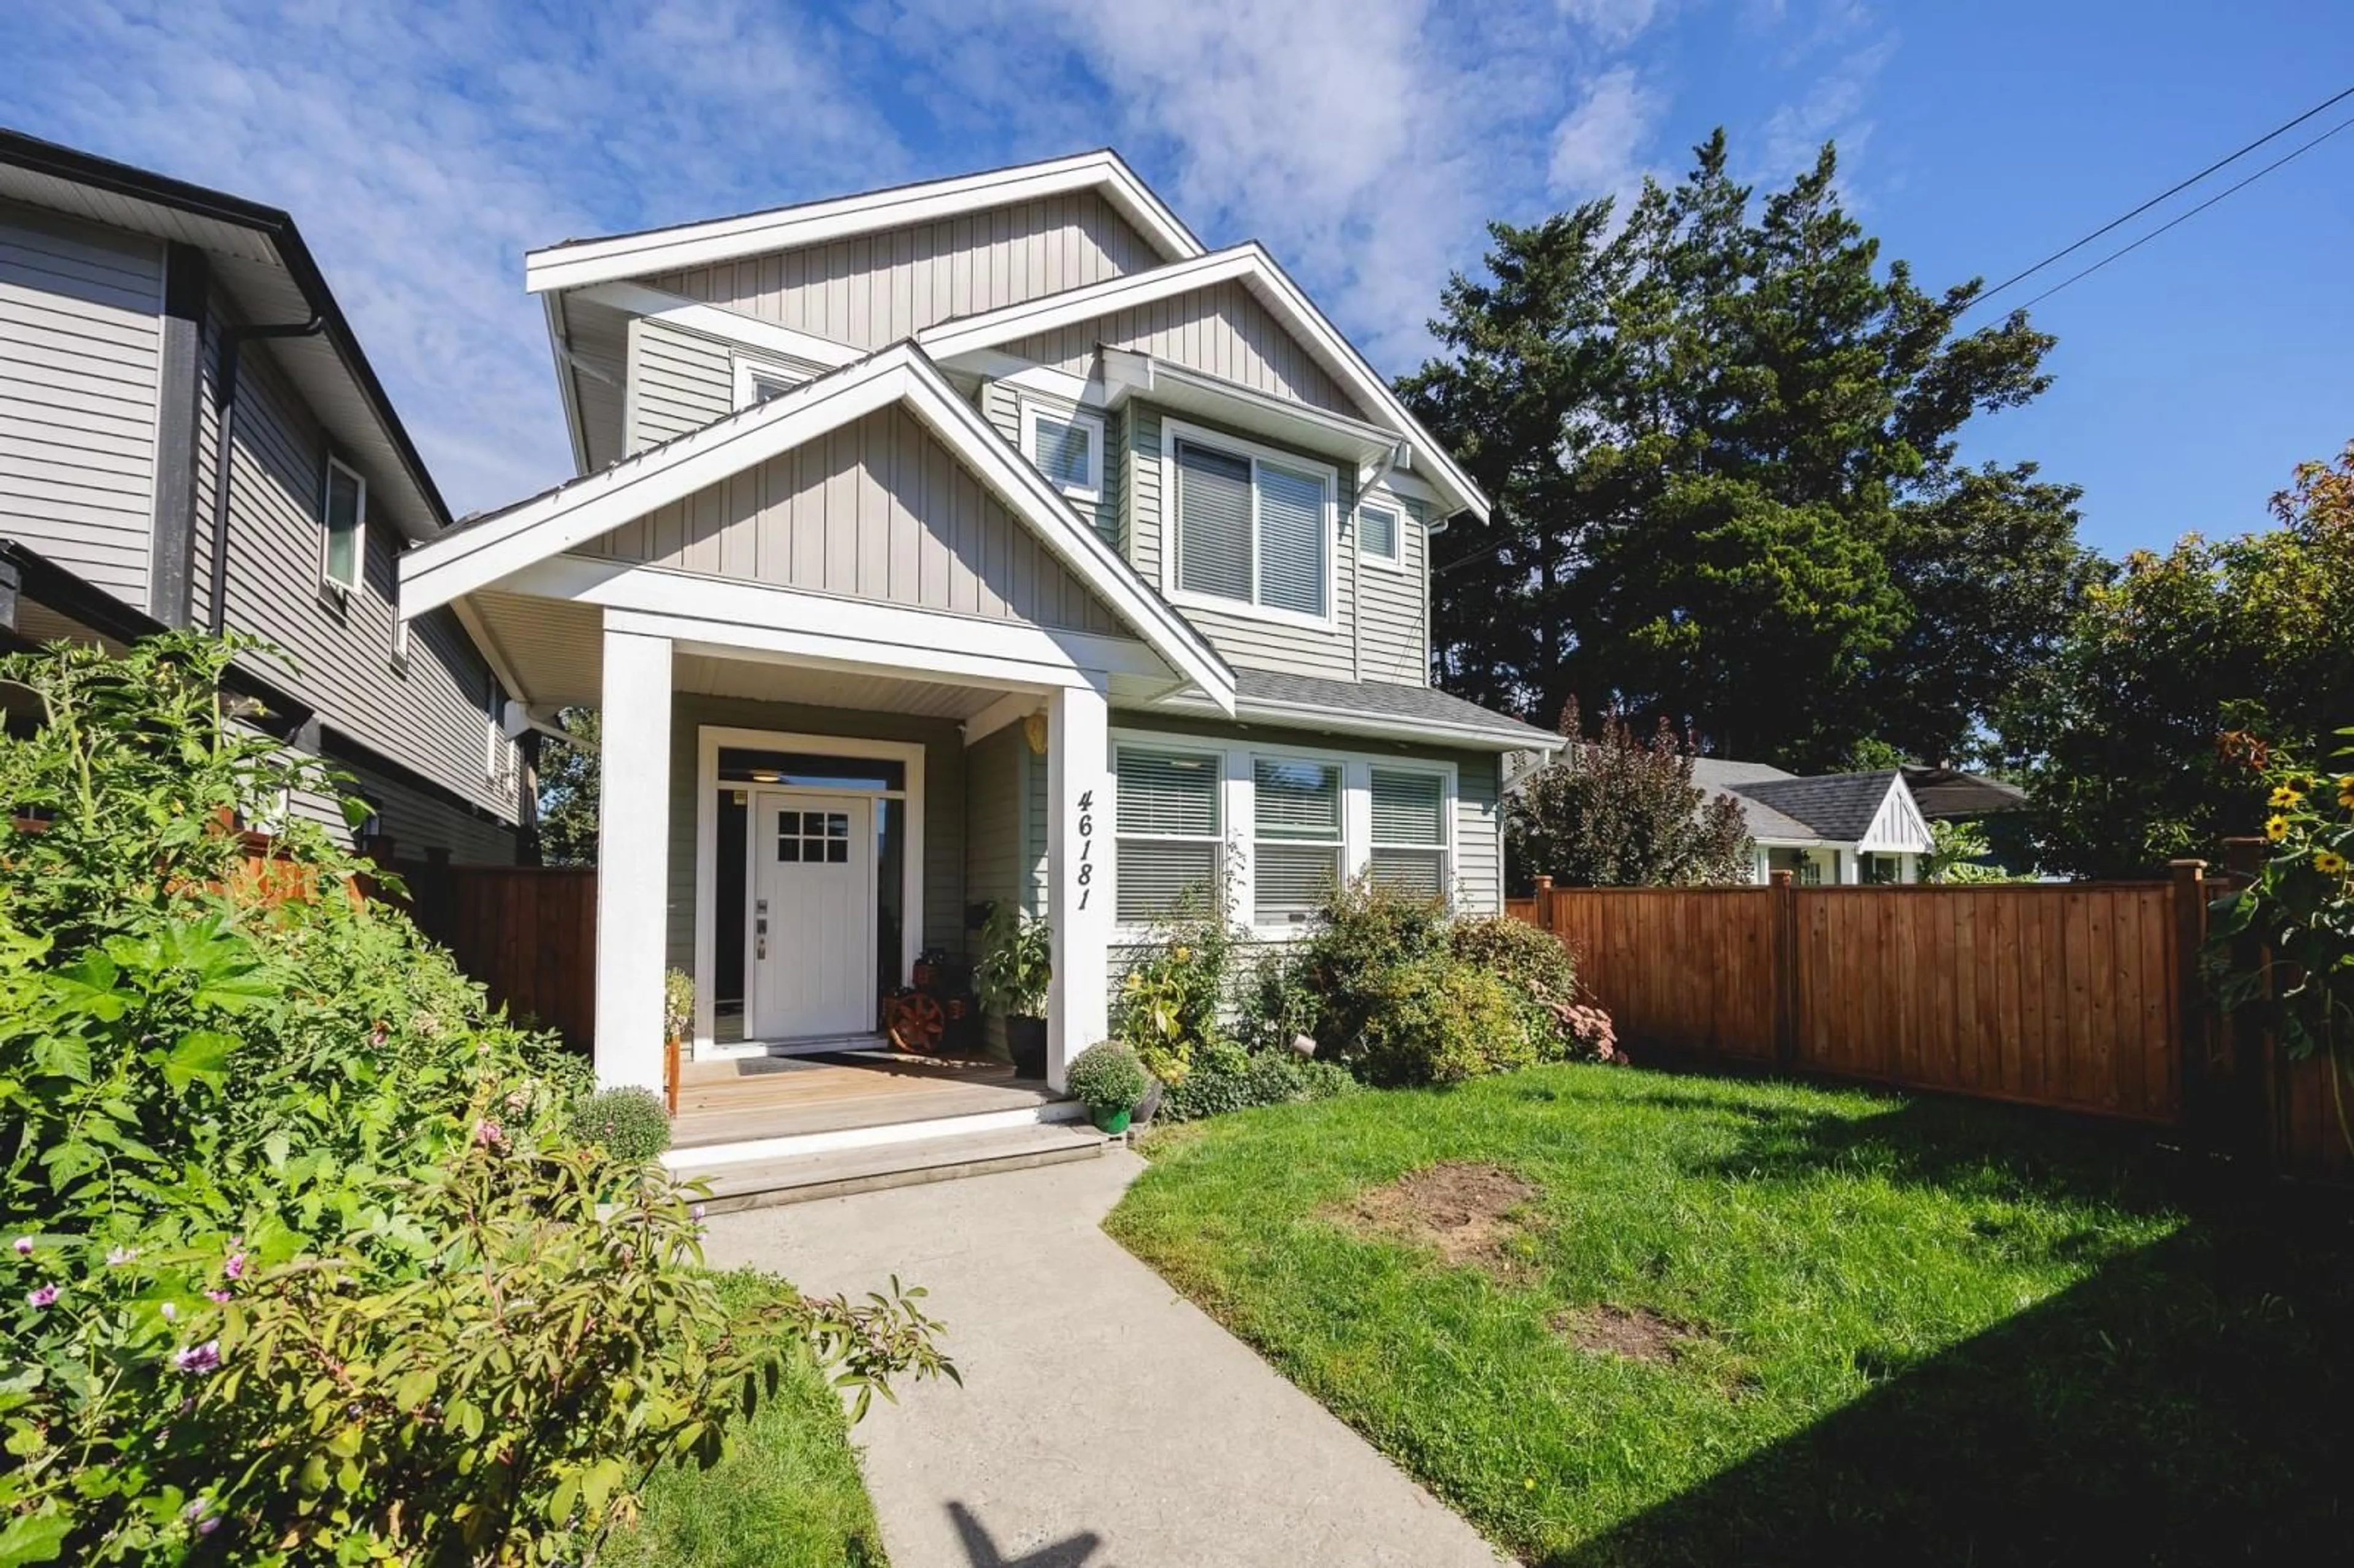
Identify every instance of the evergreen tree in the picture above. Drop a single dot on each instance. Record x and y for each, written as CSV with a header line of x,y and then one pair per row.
x,y
568,792
1722,447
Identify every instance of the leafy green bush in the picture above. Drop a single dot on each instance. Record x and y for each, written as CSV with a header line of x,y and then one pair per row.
x,y
629,1124
1538,971
1254,1078
311,1266
1108,1078
1171,1006
1017,963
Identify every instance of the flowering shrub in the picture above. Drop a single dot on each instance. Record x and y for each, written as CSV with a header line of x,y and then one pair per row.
x,y
303,1260
2300,909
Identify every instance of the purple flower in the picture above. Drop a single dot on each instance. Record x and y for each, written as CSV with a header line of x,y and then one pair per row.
x,y
489,1134
44,1296
235,1267
120,1256
206,1526
24,1246
216,1296
695,1214
198,1359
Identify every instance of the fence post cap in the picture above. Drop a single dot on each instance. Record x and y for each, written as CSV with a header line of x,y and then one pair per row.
x,y
1783,878
1544,884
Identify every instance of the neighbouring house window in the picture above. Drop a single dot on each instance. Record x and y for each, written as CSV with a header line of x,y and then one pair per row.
x,y
1067,448
495,743
1378,529
1296,834
1251,529
1409,815
1168,834
401,640
346,510
1882,870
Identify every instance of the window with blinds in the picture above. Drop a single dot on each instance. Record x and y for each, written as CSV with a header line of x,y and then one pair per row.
x,y
1251,530
1409,848
1296,837
1067,448
1377,533
1167,831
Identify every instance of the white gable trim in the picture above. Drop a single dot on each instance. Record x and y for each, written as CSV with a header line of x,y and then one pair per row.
x,y
1898,827
483,553
1248,263
717,320
576,264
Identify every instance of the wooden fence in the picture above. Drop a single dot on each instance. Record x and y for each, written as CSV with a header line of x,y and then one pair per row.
x,y
2084,996
527,932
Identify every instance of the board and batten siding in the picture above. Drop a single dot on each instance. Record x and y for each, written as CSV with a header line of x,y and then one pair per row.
x,y
879,288
430,711
944,801
1384,644
679,381
1221,331
81,338
879,510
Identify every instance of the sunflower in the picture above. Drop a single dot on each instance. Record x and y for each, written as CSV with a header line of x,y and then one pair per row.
x,y
2345,790
2329,862
2287,795
2276,828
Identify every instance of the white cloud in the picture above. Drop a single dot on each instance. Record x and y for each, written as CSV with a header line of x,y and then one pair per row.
x,y
1612,22
1597,148
1836,106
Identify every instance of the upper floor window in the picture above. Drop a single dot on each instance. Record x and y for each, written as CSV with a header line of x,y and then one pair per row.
x,y
1378,531
759,380
345,513
1251,527
1067,448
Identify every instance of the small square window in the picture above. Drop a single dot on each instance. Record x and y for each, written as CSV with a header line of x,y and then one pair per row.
x,y
1378,529
759,381
1067,446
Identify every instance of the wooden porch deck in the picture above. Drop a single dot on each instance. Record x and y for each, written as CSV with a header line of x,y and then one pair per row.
x,y
786,1096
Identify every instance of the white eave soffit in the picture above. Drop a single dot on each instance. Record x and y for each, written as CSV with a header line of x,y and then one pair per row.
x,y
577,263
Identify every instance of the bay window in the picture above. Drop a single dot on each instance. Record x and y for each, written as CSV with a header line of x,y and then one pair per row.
x,y
1409,832
1296,841
1250,526
1167,831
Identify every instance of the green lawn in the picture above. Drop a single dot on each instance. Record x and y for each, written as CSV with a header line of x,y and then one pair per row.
x,y
1917,1331
788,1495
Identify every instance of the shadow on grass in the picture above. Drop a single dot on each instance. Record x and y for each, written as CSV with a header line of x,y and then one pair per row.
x,y
2193,1402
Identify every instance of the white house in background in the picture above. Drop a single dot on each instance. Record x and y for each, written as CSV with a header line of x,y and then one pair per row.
x,y
1827,828
985,539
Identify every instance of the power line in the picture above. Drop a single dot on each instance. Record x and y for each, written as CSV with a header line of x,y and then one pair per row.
x,y
2170,191
2194,212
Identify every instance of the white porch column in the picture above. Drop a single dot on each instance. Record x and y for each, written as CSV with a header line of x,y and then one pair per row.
x,y
632,860
1078,881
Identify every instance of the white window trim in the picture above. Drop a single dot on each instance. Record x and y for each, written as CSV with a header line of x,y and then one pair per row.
x,y
400,636
1292,921
709,739
1382,501
1174,430
1222,837
1446,808
747,365
326,528
1238,818
1031,407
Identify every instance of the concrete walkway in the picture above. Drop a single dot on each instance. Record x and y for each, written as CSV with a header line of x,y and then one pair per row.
x,y
1103,1421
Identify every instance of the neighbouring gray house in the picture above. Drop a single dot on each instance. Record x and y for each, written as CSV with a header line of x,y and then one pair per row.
x,y
984,539
191,435
1824,827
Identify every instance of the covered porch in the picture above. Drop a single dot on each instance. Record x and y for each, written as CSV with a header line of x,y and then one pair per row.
x,y
852,690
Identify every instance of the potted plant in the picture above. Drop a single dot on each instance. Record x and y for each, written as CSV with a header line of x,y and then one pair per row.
x,y
1109,1081
1017,962
678,1016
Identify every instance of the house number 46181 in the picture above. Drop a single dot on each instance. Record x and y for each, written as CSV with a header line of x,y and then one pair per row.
x,y
1086,846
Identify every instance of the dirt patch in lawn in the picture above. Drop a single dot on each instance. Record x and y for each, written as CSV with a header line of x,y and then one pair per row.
x,y
1459,1209
1636,1333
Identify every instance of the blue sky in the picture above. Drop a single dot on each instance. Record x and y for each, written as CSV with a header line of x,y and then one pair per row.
x,y
424,147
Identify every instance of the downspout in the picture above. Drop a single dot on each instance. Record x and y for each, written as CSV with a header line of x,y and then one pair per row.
x,y
232,339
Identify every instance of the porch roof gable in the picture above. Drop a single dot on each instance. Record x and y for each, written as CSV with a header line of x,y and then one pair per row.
x,y
485,549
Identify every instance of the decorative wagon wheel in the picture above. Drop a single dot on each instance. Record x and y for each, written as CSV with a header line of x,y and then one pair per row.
x,y
917,1024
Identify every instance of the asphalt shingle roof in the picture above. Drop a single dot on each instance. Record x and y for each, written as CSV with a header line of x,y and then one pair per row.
x,y
1383,700
1835,805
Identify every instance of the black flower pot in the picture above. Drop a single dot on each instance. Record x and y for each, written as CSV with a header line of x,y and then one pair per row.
x,y
1026,1039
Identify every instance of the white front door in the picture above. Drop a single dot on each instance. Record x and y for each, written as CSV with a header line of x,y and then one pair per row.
x,y
814,916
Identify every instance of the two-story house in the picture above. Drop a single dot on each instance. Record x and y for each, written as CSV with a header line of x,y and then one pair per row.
x,y
190,436
981,539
